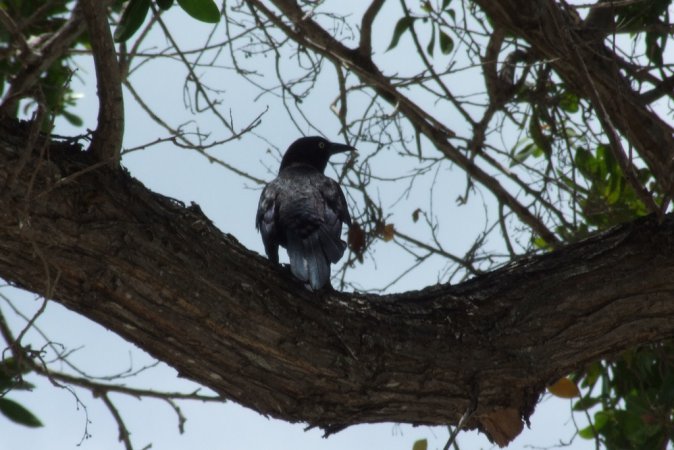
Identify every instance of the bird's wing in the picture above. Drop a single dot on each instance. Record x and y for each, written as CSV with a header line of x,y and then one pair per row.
x,y
335,200
335,214
311,210
265,220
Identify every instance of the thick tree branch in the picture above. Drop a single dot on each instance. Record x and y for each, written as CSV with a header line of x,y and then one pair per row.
x,y
106,144
162,276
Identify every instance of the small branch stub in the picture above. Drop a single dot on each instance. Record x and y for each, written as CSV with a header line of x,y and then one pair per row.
x,y
106,143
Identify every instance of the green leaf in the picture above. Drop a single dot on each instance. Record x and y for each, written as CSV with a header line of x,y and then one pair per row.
x,y
585,162
587,432
531,149
610,165
592,374
10,367
445,4
202,10
614,189
17,413
73,119
7,385
600,420
569,102
164,4
421,444
446,43
23,386
10,376
569,132
403,25
540,243
431,43
536,133
132,18
585,403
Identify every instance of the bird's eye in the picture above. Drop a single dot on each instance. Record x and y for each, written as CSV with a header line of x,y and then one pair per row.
x,y
321,145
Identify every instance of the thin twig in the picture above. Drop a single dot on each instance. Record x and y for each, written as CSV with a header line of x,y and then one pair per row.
x,y
124,435
459,426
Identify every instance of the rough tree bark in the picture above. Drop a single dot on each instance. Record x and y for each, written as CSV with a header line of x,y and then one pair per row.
x,y
162,276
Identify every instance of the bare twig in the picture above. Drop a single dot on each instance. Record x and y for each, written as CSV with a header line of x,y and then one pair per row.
x,y
35,362
462,261
133,392
124,435
180,138
192,75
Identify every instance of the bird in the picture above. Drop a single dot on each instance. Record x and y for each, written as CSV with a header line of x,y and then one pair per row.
x,y
303,211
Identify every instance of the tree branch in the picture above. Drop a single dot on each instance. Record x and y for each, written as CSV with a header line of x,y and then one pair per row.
x,y
365,43
124,435
106,144
163,277
557,37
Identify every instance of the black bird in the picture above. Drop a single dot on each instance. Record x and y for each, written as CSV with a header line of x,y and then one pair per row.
x,y
303,211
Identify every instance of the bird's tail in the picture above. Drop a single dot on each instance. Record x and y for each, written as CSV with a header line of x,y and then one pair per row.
x,y
310,256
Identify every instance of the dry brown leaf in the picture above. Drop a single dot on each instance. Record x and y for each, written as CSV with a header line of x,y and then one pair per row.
x,y
564,388
388,232
502,425
356,240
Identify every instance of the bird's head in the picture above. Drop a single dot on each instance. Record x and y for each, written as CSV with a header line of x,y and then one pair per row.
x,y
314,151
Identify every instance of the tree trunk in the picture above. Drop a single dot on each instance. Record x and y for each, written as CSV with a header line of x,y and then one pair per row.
x,y
162,276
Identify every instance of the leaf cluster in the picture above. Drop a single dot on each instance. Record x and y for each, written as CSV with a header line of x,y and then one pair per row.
x,y
36,21
631,399
11,378
136,11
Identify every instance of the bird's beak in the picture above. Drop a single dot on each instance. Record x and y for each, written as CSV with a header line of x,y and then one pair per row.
x,y
339,148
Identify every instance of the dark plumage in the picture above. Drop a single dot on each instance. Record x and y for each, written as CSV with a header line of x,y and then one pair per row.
x,y
303,211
